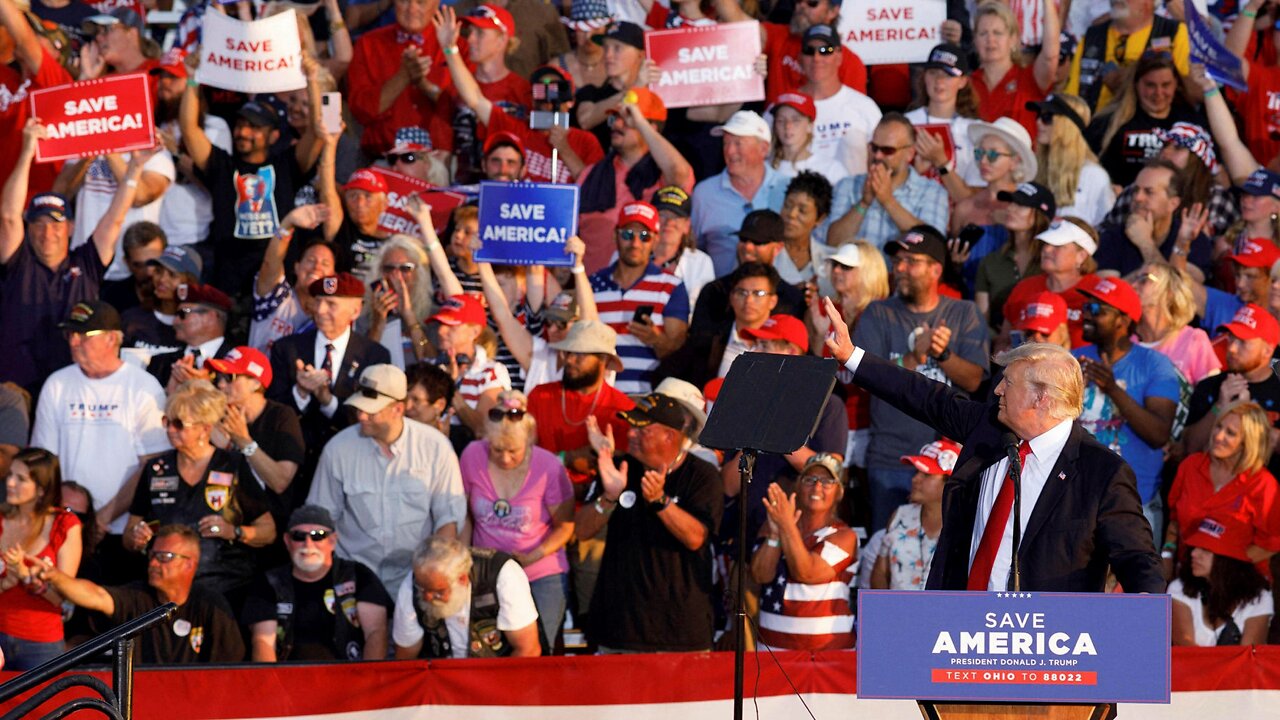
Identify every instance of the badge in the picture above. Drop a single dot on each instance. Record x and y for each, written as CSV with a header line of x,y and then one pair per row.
x,y
218,477
349,609
166,483
353,651
475,646
216,497
346,588
328,600
197,639
284,608
627,499
329,285
501,508
182,292
181,627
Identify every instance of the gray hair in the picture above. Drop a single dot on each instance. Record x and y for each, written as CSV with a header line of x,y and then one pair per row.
x,y
442,554
421,293
1054,372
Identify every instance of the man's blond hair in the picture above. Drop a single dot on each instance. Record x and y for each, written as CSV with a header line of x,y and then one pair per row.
x,y
1054,372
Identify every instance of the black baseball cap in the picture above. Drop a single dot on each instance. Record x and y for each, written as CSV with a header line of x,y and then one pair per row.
x,y
949,58
921,239
825,33
1055,105
627,33
674,199
655,408
91,315
1032,195
311,515
258,114
761,226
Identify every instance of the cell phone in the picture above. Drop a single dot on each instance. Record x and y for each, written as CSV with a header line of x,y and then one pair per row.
x,y
643,314
1016,338
377,286
545,120
971,234
331,112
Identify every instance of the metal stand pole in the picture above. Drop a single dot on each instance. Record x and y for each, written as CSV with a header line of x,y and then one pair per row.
x,y
746,466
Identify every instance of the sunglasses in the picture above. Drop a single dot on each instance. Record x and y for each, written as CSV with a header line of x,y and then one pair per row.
x,y
164,557
175,423
558,324
823,50
824,480
885,150
1093,307
744,293
187,312
811,3
404,268
302,535
499,414
407,158
1045,118
86,334
991,155
628,235
460,358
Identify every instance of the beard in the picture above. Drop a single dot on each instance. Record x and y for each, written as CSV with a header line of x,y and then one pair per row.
x,y
437,610
583,381
307,561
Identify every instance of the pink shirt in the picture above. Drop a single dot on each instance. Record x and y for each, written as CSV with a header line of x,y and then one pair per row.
x,y
526,518
1191,352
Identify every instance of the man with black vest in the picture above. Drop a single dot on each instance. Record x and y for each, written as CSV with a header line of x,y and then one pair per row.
x,y
318,607
464,602
1097,70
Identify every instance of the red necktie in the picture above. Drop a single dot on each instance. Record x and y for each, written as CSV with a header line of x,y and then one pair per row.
x,y
993,533
327,365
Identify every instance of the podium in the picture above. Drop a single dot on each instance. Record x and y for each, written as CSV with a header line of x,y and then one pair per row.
x,y
998,655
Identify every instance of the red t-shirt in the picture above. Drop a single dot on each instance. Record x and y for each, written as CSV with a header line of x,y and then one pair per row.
x,y
1260,111
375,60
511,94
26,616
1009,97
562,417
785,75
1036,284
537,148
15,109
1247,499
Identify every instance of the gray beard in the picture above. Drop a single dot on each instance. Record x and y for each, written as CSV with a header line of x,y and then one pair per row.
x,y
435,612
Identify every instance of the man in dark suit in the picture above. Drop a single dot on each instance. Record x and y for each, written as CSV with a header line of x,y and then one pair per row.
x,y
201,325
316,370
1080,506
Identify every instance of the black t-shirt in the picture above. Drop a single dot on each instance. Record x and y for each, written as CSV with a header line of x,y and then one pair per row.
x,y
201,630
361,249
278,432
1265,393
313,611
69,19
653,593
596,93
142,329
249,201
1135,142
227,489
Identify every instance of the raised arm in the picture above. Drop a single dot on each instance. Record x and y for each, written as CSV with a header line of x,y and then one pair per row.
x,y
26,48
83,593
340,48
1235,155
516,336
197,143
675,169
14,196
421,212
448,28
327,186
108,229
1046,67
581,282
307,151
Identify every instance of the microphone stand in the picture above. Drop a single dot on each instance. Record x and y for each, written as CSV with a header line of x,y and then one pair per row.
x,y
1015,474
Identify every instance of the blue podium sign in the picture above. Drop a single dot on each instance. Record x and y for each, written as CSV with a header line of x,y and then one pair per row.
x,y
526,223
1014,647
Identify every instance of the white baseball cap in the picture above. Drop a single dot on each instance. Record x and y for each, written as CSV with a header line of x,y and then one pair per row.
x,y
1062,232
744,123
848,255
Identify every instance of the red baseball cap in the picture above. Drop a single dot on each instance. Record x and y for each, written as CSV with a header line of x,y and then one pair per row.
x,y
367,180
1114,292
1043,313
243,360
1256,253
172,62
937,458
781,327
340,285
1252,322
1227,536
464,309
639,212
203,295
503,138
799,102
492,17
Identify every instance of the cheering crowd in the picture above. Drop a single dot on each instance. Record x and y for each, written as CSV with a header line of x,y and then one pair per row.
x,y
228,384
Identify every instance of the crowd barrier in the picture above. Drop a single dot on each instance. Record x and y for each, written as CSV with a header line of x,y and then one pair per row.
x,y
1237,683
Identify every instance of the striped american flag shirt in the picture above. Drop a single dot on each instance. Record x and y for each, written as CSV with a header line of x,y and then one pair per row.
x,y
800,616
659,288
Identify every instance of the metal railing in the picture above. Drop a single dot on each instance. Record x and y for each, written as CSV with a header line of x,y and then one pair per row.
x,y
116,701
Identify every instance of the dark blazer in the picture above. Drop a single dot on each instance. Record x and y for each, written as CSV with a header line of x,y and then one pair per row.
x,y
161,366
1088,516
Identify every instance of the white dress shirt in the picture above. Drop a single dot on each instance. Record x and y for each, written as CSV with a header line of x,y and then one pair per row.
x,y
339,352
207,350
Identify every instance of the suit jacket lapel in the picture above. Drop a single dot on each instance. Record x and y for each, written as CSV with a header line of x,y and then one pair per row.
x,y
351,367
1054,487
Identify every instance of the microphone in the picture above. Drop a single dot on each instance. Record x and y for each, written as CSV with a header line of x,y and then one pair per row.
x,y
1011,442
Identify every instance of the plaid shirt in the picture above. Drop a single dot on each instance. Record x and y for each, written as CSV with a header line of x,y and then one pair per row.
x,y
923,198
1223,212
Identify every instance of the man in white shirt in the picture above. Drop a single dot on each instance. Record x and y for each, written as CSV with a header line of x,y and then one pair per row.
x,y
846,118
101,416
461,602
389,481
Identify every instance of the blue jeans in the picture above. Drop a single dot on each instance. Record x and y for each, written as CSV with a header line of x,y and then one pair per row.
x,y
890,488
549,596
23,655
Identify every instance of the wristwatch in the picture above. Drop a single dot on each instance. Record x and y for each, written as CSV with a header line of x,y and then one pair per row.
x,y
943,356
239,531
661,503
250,449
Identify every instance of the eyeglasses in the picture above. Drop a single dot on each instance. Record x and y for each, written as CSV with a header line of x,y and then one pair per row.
x,y
628,235
812,3
428,593
187,312
302,535
499,414
1045,118
219,378
558,324
991,155
743,293
1093,307
164,557
175,423
374,394
407,158
885,150
824,480
823,50
404,268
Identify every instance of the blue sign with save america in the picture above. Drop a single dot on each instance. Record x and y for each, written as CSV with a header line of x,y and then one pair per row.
x,y
1014,646
526,223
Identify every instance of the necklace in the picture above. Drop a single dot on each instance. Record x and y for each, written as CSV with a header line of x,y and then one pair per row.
x,y
564,411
